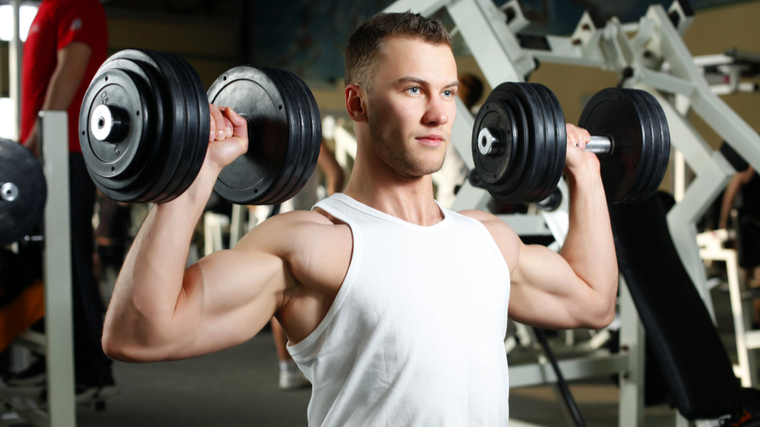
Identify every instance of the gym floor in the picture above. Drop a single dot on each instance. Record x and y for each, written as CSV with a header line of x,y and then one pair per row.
x,y
238,387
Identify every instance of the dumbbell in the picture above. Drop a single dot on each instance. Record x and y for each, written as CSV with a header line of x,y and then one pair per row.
x,y
23,192
519,142
144,126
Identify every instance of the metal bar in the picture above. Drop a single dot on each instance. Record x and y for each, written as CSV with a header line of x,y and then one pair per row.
x,y
713,110
14,66
752,339
34,341
745,356
498,54
461,133
573,369
599,145
695,150
35,416
58,299
711,180
632,344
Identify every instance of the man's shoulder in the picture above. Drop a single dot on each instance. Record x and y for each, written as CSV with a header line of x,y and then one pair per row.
x,y
294,230
480,216
502,233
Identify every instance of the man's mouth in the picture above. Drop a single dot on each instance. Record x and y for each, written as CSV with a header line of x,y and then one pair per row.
x,y
432,140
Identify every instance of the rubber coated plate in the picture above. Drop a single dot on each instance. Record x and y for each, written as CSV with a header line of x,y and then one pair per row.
x,y
661,156
143,174
647,144
497,115
252,93
613,114
311,139
198,121
298,132
529,189
505,116
179,154
23,192
556,131
117,166
315,121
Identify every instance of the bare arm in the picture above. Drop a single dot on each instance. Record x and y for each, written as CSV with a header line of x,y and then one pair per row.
x,y
578,287
159,310
64,83
736,183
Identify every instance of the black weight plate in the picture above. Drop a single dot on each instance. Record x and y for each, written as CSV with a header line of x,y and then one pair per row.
x,y
523,147
559,136
529,189
198,119
316,130
520,152
253,94
508,118
23,192
555,143
148,173
178,154
646,161
545,148
286,178
311,139
661,152
611,113
312,143
496,114
119,177
297,140
123,92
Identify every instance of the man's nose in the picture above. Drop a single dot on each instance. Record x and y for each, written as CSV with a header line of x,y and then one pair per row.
x,y
436,114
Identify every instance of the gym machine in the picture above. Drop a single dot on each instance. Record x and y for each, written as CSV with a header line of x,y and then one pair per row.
x,y
57,342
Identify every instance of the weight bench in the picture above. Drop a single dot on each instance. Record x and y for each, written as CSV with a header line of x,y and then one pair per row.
x,y
679,329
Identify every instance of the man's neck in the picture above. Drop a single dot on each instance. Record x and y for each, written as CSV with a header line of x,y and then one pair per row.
x,y
407,198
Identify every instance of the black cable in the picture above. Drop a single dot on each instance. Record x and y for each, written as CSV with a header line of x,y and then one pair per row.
x,y
561,383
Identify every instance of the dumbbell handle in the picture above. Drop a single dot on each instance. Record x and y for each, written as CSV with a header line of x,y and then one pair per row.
x,y
489,144
599,145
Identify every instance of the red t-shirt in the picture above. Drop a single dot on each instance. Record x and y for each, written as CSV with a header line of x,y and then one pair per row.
x,y
58,23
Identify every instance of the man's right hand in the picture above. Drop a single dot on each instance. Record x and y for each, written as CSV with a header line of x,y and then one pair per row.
x,y
228,138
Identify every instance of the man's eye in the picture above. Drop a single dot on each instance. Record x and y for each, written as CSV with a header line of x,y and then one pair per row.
x,y
448,93
414,90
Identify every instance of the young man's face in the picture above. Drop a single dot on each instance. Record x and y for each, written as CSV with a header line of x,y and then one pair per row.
x,y
412,105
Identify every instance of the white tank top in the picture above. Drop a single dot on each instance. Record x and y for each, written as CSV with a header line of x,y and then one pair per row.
x,y
415,336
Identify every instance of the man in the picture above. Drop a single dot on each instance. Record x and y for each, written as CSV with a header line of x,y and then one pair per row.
x,y
746,183
67,42
395,309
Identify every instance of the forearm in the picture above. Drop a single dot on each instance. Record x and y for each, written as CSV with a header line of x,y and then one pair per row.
x,y
62,88
589,248
63,84
151,285
60,92
728,201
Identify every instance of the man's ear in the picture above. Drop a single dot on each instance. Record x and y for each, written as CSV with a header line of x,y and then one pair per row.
x,y
356,99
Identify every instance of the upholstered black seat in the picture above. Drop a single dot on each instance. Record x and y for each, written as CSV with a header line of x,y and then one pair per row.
x,y
679,329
